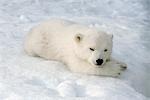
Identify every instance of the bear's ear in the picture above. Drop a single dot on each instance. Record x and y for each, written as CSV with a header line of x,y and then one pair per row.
x,y
78,37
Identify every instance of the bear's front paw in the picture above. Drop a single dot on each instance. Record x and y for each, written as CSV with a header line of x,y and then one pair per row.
x,y
118,68
122,65
116,71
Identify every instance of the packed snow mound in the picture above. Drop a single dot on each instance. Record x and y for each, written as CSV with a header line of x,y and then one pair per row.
x,y
31,78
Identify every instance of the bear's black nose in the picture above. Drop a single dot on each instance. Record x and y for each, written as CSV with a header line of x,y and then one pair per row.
x,y
99,61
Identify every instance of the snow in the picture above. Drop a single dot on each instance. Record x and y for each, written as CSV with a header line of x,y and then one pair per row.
x,y
67,88
29,78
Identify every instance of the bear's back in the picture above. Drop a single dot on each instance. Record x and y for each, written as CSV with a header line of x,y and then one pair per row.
x,y
51,38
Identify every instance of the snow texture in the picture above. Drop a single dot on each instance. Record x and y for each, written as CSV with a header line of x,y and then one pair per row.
x,y
28,78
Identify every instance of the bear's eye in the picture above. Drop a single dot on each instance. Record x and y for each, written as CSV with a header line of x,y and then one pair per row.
x,y
92,49
105,50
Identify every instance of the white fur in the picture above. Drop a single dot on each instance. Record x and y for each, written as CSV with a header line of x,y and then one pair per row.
x,y
69,42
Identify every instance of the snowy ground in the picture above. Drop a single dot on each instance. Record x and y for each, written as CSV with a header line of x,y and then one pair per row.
x,y
28,78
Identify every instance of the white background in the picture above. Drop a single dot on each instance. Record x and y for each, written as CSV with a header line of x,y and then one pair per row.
x,y
26,78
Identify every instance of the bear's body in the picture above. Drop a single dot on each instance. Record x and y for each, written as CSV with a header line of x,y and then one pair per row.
x,y
82,49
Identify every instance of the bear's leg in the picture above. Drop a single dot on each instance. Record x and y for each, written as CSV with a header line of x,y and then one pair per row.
x,y
28,49
111,68
122,64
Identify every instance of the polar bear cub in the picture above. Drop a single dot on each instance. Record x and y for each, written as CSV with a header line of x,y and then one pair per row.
x,y
83,49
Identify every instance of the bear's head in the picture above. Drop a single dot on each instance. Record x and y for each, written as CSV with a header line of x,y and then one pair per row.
x,y
93,46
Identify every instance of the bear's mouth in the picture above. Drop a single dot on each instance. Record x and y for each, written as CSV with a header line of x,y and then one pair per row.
x,y
100,66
